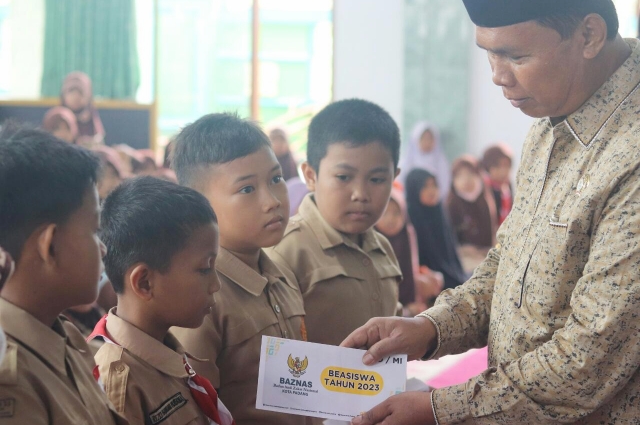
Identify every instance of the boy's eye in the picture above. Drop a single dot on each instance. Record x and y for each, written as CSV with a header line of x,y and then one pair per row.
x,y
206,271
277,179
247,189
378,180
342,177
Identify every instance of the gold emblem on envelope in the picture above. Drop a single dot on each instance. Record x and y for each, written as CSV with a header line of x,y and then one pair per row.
x,y
583,183
297,367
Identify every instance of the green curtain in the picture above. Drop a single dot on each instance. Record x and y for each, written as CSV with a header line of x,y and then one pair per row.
x,y
97,37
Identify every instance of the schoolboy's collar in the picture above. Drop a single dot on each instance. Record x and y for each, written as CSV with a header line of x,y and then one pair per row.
x,y
328,237
244,276
50,343
167,357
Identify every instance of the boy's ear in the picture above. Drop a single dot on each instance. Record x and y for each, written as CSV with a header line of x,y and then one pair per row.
x,y
310,176
397,173
139,281
45,243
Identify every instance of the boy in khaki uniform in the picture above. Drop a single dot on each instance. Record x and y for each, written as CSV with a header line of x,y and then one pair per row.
x,y
49,218
162,242
347,272
231,162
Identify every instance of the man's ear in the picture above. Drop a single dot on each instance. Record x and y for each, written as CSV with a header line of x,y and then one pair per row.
x,y
46,244
594,32
138,279
310,176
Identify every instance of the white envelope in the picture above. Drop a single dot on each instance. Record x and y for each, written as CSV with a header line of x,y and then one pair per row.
x,y
323,381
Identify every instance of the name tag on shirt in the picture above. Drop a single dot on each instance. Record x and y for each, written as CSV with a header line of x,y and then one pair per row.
x,y
324,381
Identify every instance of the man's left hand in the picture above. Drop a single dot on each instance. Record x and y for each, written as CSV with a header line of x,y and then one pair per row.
x,y
410,408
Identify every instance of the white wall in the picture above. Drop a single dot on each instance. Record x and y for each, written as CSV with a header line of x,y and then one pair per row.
x,y
491,117
369,52
26,22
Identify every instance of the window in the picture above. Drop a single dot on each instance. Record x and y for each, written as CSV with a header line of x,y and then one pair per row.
x,y
205,61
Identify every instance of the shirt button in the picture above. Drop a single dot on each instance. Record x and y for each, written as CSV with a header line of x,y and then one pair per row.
x,y
120,368
277,308
366,262
375,296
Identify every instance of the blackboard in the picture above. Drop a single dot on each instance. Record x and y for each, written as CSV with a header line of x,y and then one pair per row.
x,y
130,123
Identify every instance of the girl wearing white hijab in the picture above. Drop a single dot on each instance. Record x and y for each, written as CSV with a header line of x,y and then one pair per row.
x,y
425,152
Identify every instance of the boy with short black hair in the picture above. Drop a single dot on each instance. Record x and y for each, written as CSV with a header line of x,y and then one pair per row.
x,y
162,242
230,161
347,272
49,219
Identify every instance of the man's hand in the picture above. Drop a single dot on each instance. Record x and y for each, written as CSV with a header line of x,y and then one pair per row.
x,y
393,335
411,408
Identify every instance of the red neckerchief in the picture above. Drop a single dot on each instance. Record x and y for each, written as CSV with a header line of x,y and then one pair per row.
x,y
506,200
202,391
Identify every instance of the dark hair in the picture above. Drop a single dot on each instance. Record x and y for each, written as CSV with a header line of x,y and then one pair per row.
x,y
42,180
492,156
416,180
567,23
214,139
355,122
148,220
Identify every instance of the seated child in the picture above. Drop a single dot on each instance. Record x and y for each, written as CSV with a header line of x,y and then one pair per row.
x,y
419,284
49,219
347,272
436,241
61,122
497,162
472,212
162,243
112,171
230,161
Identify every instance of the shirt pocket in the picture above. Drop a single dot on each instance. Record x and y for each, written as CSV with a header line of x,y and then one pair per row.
x,y
248,327
554,269
322,274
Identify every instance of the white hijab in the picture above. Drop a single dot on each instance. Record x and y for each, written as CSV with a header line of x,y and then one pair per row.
x,y
434,162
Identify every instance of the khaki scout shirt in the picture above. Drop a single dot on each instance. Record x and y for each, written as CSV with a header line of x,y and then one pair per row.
x,y
145,379
248,306
558,300
47,375
343,285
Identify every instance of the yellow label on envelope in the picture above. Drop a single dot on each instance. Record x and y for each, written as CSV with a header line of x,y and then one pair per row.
x,y
351,381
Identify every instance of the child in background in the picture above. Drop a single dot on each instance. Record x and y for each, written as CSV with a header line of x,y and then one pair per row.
x,y
61,122
77,95
49,219
497,161
280,144
436,241
347,271
425,152
230,161
472,212
112,172
419,284
161,262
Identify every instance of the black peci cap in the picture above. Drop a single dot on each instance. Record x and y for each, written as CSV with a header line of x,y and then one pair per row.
x,y
502,13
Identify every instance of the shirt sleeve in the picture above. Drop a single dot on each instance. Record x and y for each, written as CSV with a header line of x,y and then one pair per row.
x,y
588,361
204,342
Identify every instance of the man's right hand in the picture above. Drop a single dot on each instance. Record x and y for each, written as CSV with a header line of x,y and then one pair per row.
x,y
387,336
